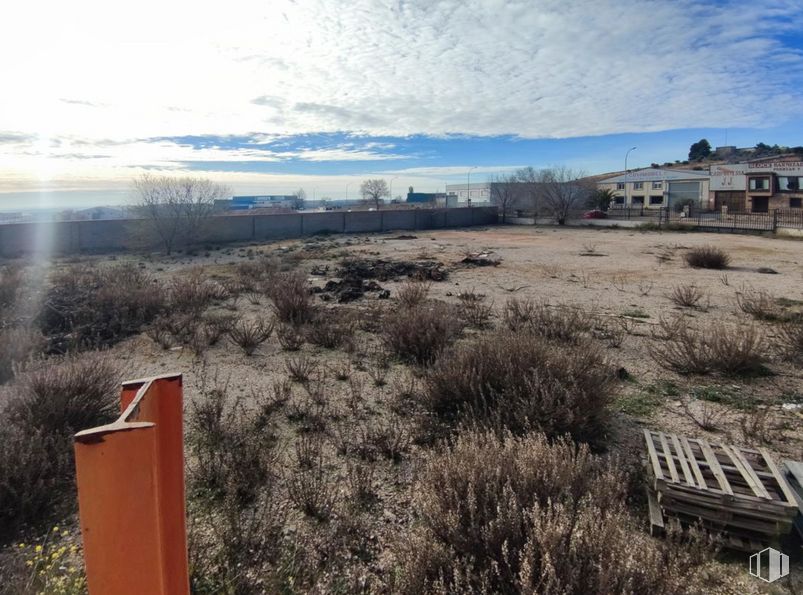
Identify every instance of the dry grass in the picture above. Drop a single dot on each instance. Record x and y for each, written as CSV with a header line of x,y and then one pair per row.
x,y
707,257
523,515
521,382
300,368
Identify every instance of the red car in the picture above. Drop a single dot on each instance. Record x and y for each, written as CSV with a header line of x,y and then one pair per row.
x,y
595,214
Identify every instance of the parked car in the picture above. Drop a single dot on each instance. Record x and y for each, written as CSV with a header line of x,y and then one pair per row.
x,y
595,214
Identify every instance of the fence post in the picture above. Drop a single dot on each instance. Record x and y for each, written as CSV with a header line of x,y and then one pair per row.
x,y
130,476
774,220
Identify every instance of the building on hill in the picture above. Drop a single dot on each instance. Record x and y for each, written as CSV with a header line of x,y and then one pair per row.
x,y
654,188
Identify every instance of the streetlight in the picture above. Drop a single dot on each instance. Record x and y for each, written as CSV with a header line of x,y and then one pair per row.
x,y
391,188
626,155
468,184
347,191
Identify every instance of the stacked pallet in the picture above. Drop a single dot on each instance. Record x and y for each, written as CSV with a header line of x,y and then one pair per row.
x,y
736,492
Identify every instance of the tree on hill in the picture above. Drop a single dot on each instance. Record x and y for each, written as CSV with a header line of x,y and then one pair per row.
x,y
699,150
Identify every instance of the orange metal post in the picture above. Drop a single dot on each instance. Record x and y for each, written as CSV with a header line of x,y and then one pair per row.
x,y
131,494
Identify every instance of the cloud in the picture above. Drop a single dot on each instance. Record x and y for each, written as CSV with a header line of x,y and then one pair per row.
x,y
111,73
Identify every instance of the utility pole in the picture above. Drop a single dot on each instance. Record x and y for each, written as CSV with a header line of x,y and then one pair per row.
x,y
626,174
468,184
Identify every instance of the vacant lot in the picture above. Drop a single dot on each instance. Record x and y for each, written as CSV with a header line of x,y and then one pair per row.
x,y
336,385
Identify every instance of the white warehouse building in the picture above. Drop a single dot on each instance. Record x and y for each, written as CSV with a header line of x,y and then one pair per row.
x,y
654,188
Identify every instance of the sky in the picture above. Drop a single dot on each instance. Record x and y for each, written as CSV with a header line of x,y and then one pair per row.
x,y
269,96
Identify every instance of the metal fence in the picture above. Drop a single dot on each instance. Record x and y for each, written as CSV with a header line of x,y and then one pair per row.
x,y
713,220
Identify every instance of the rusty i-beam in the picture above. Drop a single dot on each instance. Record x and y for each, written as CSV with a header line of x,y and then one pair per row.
x,y
131,494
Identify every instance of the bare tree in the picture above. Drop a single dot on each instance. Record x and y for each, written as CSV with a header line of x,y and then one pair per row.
x,y
299,198
175,210
560,190
528,180
374,190
504,193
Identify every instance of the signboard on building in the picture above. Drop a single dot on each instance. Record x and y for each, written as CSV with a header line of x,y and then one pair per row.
x,y
792,168
728,177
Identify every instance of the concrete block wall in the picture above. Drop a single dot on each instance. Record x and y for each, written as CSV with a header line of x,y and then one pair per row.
x,y
72,237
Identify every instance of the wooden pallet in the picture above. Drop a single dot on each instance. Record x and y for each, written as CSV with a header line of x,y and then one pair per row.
x,y
739,492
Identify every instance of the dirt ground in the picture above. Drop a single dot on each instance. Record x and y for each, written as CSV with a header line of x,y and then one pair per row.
x,y
619,274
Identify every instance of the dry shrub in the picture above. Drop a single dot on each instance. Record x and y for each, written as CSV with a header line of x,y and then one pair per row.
x,y
517,314
67,395
12,278
522,382
474,310
192,293
160,332
759,304
420,334
289,337
235,514
311,489
703,413
523,515
216,325
791,338
98,306
735,351
300,368
292,300
17,346
328,329
232,446
49,404
687,296
250,334
564,323
361,482
613,332
256,275
412,293
707,257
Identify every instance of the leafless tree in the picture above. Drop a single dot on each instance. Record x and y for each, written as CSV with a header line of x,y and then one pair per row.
x,y
175,210
299,198
560,190
504,193
528,179
374,190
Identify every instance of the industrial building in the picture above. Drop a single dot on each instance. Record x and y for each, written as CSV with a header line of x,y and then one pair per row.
x,y
431,198
474,194
244,203
654,188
